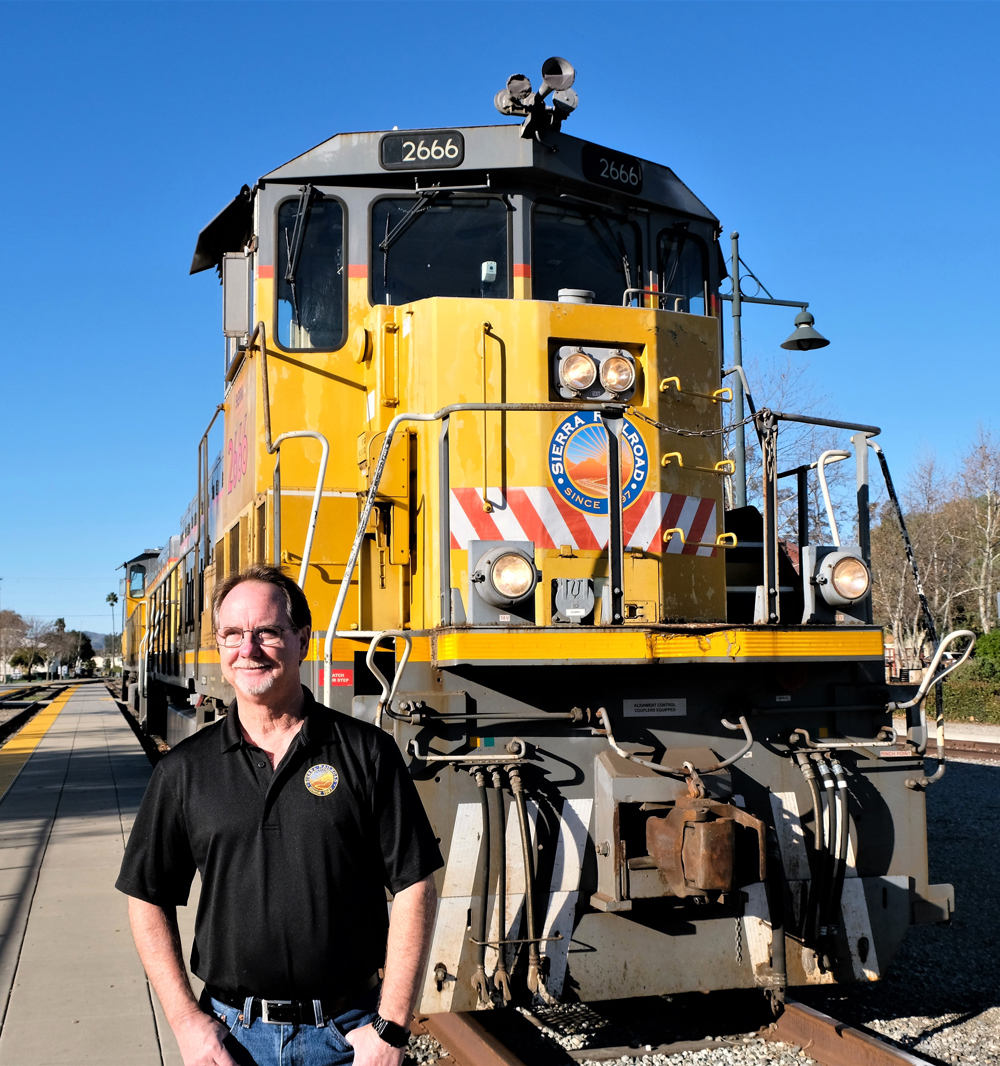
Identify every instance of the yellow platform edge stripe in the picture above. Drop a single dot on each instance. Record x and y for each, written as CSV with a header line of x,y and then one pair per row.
x,y
19,749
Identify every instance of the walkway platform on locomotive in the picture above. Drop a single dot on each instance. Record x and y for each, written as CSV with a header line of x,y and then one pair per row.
x,y
72,989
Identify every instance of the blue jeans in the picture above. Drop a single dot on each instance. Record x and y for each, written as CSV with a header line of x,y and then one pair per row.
x,y
266,1044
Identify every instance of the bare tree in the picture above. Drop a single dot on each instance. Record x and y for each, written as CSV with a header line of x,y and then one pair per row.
x,y
12,628
37,642
979,478
932,518
782,384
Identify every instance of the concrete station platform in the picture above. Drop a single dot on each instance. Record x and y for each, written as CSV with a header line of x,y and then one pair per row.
x,y
72,989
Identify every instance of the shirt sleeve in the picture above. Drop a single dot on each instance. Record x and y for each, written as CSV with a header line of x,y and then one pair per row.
x,y
158,866
409,849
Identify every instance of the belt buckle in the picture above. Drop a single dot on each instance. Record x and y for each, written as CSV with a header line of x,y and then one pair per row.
x,y
265,1009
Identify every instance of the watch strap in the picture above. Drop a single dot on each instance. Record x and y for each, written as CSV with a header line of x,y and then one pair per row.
x,y
393,1034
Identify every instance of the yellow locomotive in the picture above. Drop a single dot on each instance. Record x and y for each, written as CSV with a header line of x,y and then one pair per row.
x,y
658,752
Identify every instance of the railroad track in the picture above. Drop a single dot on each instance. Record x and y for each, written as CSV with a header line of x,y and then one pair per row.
x,y
970,749
18,706
468,1042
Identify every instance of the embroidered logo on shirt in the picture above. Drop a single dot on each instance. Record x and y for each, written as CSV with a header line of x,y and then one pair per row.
x,y
321,779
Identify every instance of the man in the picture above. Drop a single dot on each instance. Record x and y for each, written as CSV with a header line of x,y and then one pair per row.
x,y
297,818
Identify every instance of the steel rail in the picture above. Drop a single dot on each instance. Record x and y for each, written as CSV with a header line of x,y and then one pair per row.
x,y
833,1043
822,1038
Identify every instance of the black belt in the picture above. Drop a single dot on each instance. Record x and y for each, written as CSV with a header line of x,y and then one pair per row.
x,y
293,1011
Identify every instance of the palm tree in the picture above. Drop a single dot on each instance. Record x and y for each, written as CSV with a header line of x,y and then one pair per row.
x,y
112,599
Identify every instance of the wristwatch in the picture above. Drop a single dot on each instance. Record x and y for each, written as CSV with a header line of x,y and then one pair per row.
x,y
394,1035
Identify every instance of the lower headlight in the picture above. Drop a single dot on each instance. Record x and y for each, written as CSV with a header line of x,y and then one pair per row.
x,y
512,576
850,578
617,374
577,371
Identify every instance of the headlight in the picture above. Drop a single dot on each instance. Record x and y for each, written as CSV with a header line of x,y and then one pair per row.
x,y
617,374
512,576
850,578
577,371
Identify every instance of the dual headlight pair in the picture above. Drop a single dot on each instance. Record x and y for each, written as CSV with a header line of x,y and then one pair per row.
x,y
579,371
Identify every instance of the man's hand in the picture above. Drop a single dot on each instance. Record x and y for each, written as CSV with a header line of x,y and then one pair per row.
x,y
370,1049
200,1039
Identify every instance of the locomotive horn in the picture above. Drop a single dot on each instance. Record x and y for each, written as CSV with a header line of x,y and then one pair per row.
x,y
557,74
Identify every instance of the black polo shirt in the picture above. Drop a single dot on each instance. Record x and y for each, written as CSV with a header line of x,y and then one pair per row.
x,y
294,862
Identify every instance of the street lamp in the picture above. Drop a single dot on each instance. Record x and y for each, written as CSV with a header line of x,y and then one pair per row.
x,y
803,339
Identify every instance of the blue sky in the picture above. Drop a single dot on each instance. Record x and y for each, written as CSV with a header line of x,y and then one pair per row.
x,y
854,145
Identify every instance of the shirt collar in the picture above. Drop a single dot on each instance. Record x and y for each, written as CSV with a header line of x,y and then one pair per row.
x,y
317,728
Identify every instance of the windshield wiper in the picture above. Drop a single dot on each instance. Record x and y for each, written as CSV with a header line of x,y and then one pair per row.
x,y
423,201
617,244
293,247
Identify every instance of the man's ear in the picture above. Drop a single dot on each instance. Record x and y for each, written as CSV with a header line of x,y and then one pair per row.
x,y
305,633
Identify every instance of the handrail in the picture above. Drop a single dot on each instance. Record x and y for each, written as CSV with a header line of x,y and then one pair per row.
x,y
933,678
170,569
687,769
929,677
376,477
388,691
317,495
835,454
493,758
677,297
810,420
204,508
273,448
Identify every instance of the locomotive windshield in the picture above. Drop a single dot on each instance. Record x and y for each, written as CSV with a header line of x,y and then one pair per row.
x,y
682,271
311,295
437,245
577,247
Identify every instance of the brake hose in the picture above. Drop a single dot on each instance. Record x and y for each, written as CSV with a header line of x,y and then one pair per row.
x,y
534,959
479,981
501,981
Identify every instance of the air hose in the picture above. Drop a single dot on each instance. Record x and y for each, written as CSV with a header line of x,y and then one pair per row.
x,y
501,980
534,959
479,980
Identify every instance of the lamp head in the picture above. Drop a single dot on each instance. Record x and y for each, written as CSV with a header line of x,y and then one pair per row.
x,y
804,338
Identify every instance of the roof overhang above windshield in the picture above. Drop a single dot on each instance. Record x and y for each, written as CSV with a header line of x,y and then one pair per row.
x,y
355,156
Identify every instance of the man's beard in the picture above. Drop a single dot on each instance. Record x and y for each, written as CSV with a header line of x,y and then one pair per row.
x,y
254,682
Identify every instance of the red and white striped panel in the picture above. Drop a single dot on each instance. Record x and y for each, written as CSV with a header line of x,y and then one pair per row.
x,y
541,515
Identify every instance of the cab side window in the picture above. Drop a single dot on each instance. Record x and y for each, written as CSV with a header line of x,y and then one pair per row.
x,y
136,580
310,273
681,269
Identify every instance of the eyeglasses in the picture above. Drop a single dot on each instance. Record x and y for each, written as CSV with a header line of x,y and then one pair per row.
x,y
265,636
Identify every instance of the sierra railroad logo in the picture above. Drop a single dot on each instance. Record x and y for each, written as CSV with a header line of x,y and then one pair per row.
x,y
578,462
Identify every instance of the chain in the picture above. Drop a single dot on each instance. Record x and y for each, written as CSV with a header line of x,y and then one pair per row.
x,y
691,432
739,941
